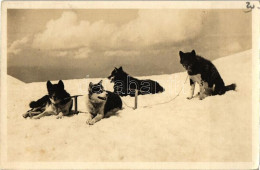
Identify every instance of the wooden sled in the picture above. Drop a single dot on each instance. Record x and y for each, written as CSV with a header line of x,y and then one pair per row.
x,y
36,111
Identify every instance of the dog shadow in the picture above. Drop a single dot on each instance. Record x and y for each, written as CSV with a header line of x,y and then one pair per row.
x,y
74,112
115,112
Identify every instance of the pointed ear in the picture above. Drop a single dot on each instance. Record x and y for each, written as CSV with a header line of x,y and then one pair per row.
x,y
116,68
60,84
193,52
100,82
181,53
90,84
120,68
49,84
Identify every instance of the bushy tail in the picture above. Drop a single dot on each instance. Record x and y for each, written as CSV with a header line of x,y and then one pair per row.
x,y
160,89
231,87
39,103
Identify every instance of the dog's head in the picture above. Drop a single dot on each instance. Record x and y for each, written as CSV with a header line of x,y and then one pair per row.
x,y
55,91
96,92
115,73
188,59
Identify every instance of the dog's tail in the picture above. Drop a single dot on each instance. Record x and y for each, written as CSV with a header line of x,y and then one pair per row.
x,y
160,88
39,103
231,87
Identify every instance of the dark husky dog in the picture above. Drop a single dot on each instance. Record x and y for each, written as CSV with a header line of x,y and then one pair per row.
x,y
101,103
124,84
57,102
203,72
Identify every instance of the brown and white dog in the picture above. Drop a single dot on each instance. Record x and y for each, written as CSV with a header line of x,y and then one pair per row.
x,y
101,103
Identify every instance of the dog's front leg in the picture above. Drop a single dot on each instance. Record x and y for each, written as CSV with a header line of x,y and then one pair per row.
x,y
65,111
202,94
60,115
45,113
192,87
97,118
89,118
31,113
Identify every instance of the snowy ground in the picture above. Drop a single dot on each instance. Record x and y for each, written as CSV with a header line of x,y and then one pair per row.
x,y
215,129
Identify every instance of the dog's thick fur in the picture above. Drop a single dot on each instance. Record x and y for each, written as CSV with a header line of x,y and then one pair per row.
x,y
124,84
203,72
57,102
101,103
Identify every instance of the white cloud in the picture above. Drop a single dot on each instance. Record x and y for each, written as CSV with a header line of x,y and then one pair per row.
x,y
235,46
159,26
61,53
82,53
69,32
17,45
122,53
151,27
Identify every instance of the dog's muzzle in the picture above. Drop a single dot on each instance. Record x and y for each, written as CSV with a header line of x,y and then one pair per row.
x,y
102,98
111,78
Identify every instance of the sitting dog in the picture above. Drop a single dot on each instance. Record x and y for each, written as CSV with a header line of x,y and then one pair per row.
x,y
124,84
101,103
203,72
57,102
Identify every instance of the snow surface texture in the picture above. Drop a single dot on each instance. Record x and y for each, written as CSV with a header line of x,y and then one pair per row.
x,y
216,129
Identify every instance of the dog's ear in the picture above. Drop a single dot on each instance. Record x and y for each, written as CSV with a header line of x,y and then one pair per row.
x,y
90,84
49,84
100,82
60,84
116,68
120,68
181,53
193,52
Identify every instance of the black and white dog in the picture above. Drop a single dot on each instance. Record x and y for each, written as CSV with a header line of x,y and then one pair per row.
x,y
203,72
101,103
124,84
57,102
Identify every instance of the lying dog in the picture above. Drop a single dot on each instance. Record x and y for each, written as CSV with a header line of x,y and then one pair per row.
x,y
57,102
101,103
124,84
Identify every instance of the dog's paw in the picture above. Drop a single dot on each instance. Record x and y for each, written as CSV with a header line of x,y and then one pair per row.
x,y
25,115
35,117
202,97
88,120
189,98
59,117
92,122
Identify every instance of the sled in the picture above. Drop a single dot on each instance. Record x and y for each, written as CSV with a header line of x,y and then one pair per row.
x,y
36,111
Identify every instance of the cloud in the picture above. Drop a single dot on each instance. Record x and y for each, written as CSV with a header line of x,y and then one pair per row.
x,y
235,46
70,36
122,53
161,26
17,46
69,32
151,27
61,53
82,53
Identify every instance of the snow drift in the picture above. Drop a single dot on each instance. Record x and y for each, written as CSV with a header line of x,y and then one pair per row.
x,y
217,128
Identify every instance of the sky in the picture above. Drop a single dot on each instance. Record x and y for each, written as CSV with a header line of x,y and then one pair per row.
x,y
53,44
